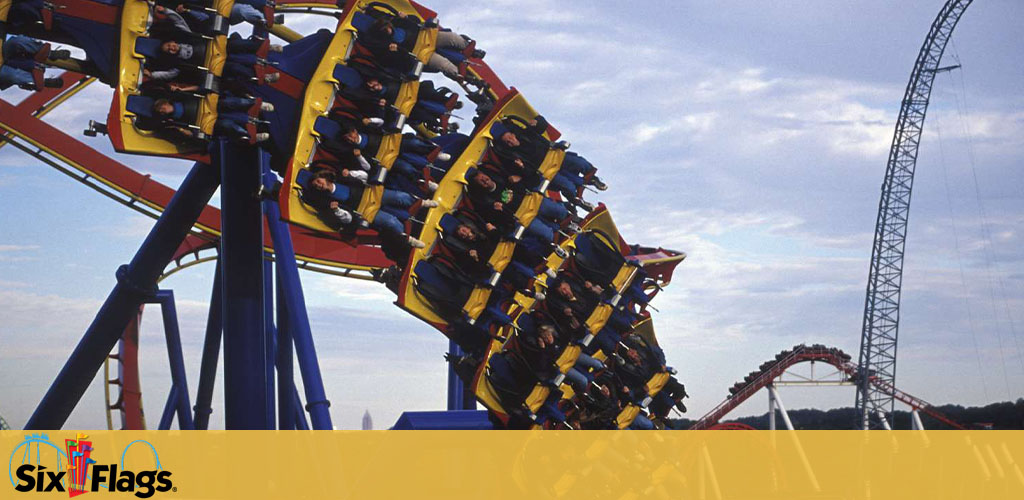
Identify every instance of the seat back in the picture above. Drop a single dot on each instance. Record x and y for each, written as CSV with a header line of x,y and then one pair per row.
x,y
327,127
526,323
498,129
362,22
441,288
148,47
303,178
449,223
347,77
140,105
510,379
595,259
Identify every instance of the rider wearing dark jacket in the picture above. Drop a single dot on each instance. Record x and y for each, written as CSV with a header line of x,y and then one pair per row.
x,y
519,147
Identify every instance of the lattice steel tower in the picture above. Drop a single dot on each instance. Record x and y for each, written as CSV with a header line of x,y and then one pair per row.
x,y
882,306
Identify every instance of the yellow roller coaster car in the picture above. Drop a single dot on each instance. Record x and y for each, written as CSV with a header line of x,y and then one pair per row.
x,y
449,194
128,104
321,94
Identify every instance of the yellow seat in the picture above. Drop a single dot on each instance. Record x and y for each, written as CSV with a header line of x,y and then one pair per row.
x,y
657,383
627,415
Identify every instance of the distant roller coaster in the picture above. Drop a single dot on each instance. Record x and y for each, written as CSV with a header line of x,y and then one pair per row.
x,y
772,373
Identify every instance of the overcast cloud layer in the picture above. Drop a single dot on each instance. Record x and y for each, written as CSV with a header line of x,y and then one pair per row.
x,y
751,135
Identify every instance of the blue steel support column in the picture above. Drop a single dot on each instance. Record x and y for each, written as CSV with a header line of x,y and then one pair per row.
x,y
300,414
269,331
294,315
135,282
285,371
241,257
167,417
455,385
176,359
211,355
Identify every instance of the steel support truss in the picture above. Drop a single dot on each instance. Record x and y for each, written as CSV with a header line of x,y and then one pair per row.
x,y
882,304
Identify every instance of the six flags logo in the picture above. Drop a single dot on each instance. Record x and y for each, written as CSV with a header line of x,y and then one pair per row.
x,y
78,477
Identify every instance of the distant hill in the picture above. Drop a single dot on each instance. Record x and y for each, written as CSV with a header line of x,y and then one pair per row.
x,y
1005,415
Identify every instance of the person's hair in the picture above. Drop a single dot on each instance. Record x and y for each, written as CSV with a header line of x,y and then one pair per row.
x,y
157,104
556,282
381,24
471,229
348,129
547,327
324,173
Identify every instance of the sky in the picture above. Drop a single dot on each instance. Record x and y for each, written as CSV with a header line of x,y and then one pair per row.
x,y
751,135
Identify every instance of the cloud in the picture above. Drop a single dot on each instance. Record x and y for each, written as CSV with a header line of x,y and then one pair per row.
x,y
18,248
32,326
14,253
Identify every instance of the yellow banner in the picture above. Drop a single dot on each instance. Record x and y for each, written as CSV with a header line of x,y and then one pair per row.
x,y
564,464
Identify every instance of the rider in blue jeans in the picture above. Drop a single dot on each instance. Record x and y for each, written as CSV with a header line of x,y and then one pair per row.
x,y
545,224
578,375
233,116
19,54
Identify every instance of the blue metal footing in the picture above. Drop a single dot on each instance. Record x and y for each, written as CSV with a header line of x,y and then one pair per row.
x,y
463,420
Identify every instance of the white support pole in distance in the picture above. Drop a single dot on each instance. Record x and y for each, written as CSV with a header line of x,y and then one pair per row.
x,y
774,396
885,421
771,407
915,420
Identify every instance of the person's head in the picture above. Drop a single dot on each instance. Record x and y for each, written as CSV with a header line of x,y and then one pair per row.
x,y
464,232
170,47
564,289
163,107
322,183
483,180
350,134
383,26
633,356
373,84
510,139
546,333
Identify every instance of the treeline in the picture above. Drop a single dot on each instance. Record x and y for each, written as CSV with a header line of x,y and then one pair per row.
x,y
1005,415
